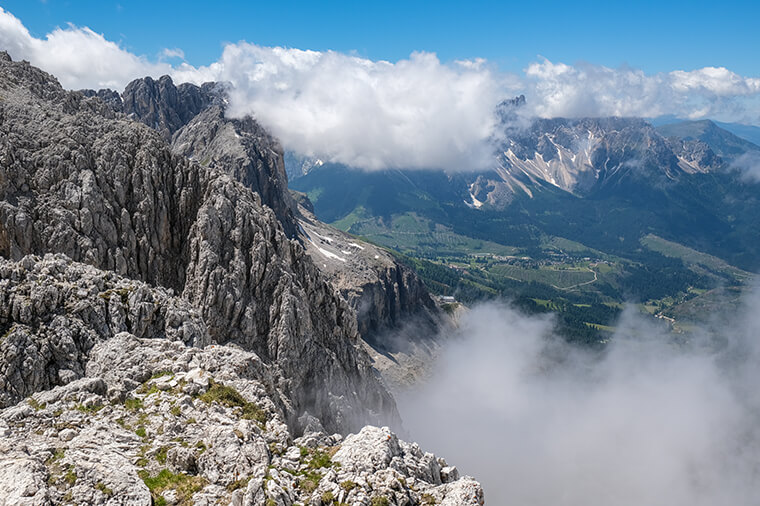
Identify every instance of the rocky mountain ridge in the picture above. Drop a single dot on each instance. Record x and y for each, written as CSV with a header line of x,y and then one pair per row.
x,y
383,292
721,141
586,156
82,181
174,340
168,418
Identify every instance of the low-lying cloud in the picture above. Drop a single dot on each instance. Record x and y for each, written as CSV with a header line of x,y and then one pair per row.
x,y
648,422
414,113
749,165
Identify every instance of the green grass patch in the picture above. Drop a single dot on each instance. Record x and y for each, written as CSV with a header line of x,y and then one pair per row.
x,y
228,396
133,404
239,484
559,278
348,485
89,409
161,454
103,488
185,486
70,477
58,454
36,405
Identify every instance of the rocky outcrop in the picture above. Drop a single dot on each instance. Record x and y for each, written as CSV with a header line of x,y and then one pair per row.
x,y
156,421
53,311
165,107
111,98
384,293
192,118
245,151
80,180
398,320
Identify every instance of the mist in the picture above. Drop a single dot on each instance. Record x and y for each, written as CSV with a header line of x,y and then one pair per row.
x,y
749,166
646,421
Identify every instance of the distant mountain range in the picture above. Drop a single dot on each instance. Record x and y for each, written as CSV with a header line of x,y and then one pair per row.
x,y
592,188
722,140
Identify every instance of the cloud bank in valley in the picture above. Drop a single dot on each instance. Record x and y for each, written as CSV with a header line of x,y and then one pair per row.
x,y
414,113
749,165
647,423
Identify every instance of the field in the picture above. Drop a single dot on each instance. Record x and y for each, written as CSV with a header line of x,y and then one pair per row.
x,y
586,288
562,279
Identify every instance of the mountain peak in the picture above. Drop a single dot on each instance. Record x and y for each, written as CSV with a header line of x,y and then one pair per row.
x,y
724,143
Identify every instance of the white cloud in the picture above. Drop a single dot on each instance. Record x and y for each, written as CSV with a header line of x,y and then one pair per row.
x,y
173,53
718,81
556,89
749,165
648,422
78,57
414,113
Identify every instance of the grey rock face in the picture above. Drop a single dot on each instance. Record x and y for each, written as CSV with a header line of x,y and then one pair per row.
x,y
193,119
111,98
397,318
198,426
586,156
163,106
694,155
384,293
244,150
77,179
53,311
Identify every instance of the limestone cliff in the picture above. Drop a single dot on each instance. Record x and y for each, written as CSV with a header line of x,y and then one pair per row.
x,y
384,293
80,179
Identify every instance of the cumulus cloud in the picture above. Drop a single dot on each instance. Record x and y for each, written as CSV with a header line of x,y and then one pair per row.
x,y
414,113
173,53
749,165
648,422
557,89
78,57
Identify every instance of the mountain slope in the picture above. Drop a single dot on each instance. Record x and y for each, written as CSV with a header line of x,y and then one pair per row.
x,y
749,133
557,224
147,412
383,292
724,143
81,180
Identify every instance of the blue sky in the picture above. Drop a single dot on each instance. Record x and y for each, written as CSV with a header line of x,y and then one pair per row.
x,y
653,36
412,84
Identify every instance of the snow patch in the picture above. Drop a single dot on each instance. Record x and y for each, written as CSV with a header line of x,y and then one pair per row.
x,y
329,240
330,254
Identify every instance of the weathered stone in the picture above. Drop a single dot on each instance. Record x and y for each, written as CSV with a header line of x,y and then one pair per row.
x,y
109,192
